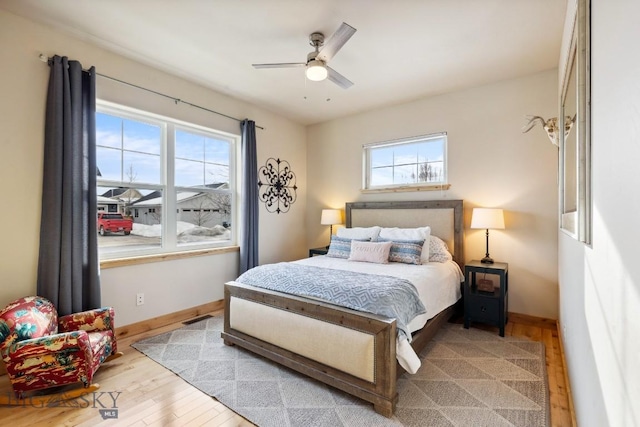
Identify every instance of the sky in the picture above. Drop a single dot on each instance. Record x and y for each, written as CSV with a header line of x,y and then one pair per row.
x,y
130,151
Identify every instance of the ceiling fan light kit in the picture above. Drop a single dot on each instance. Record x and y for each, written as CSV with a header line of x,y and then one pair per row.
x,y
316,71
316,64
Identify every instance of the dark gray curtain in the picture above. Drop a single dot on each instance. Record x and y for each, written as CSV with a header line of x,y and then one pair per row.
x,y
68,269
249,197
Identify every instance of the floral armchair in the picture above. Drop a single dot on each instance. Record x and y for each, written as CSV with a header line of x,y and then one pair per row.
x,y
42,351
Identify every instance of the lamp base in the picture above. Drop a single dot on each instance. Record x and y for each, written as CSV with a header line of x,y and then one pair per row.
x,y
487,260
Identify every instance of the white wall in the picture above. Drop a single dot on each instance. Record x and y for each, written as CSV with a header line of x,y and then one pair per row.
x,y
168,286
491,164
600,284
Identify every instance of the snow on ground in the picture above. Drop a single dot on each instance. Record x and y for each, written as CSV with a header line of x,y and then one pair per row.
x,y
156,229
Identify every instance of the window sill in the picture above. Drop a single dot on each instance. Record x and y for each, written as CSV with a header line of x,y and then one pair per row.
x,y
123,262
438,187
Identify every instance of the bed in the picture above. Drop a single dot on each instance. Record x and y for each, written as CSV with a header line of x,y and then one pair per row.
x,y
351,350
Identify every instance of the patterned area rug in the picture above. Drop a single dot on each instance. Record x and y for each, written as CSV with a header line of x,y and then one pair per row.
x,y
468,378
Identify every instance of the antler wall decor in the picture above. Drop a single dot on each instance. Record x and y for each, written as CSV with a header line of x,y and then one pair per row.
x,y
550,126
277,185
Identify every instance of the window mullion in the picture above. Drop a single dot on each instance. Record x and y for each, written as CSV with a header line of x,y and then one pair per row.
x,y
169,225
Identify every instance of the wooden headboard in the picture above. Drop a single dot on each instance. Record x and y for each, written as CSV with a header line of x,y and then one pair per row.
x,y
443,216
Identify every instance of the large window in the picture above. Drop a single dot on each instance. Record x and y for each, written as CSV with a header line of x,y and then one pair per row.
x,y
173,181
411,162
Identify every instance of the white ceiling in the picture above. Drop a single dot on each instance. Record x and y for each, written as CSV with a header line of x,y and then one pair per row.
x,y
402,50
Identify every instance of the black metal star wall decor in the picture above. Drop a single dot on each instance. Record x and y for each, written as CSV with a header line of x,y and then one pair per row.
x,y
277,185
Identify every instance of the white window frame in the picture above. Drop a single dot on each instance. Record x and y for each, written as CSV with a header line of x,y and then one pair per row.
x,y
367,166
167,185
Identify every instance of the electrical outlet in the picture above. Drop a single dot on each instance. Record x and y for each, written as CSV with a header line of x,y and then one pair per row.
x,y
140,299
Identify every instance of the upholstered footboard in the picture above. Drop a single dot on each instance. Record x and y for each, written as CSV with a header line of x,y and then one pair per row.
x,y
352,351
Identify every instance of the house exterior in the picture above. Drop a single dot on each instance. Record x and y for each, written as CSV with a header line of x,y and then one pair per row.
x,y
199,208
119,199
107,204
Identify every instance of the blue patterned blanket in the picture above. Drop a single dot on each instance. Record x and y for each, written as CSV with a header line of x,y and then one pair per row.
x,y
383,295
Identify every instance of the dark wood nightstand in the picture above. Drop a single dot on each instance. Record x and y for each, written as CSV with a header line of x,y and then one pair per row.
x,y
318,251
486,293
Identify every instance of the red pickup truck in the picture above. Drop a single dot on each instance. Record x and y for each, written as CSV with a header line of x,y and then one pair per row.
x,y
113,222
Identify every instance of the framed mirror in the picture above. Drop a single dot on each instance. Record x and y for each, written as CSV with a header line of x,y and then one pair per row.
x,y
575,141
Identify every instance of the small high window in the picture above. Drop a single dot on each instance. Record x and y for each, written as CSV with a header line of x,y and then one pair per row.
x,y
411,162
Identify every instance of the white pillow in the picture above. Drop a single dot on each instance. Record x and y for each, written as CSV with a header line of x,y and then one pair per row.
x,y
438,250
399,234
377,252
360,233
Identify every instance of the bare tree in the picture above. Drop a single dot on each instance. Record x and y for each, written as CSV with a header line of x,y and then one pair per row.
x,y
222,203
131,173
156,214
425,172
202,213
128,194
208,205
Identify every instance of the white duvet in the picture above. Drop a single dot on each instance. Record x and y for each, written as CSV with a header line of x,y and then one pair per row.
x,y
438,286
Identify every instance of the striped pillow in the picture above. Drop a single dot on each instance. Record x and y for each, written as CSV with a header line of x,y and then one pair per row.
x,y
405,251
340,247
409,234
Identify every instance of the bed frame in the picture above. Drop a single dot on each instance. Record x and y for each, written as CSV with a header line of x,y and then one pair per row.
x,y
350,350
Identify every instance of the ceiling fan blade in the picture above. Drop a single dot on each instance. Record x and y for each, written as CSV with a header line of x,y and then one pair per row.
x,y
281,65
335,43
338,78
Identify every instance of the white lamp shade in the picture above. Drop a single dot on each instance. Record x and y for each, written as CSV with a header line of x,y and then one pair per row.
x,y
316,71
487,218
331,217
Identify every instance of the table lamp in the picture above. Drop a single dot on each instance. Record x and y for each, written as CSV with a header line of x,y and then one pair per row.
x,y
331,217
488,219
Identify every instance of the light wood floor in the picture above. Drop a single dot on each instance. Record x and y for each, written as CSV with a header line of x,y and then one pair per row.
x,y
153,396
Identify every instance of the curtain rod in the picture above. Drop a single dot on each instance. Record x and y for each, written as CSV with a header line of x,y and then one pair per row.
x,y
45,58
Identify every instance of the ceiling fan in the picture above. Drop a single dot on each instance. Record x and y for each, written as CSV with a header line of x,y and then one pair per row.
x,y
316,65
